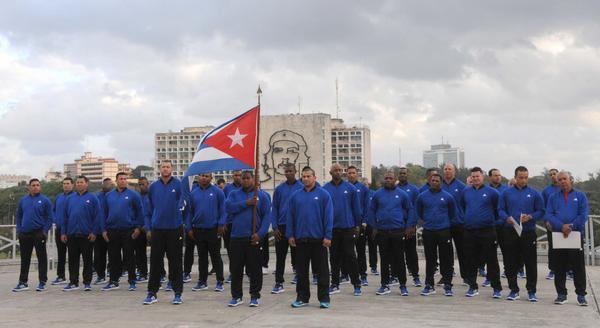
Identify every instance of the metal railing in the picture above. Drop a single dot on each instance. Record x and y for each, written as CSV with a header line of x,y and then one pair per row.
x,y
9,243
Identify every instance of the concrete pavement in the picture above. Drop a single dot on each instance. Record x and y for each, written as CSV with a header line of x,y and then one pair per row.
x,y
122,308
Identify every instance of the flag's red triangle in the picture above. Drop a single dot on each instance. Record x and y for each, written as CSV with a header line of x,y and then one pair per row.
x,y
238,138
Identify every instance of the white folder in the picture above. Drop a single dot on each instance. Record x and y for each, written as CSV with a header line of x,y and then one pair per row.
x,y
573,241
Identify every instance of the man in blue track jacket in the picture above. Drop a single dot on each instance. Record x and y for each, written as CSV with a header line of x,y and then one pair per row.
x,y
455,187
34,219
347,217
309,230
393,217
554,187
410,244
205,224
437,209
281,197
480,207
245,239
567,211
61,248
121,223
361,239
164,230
520,205
82,215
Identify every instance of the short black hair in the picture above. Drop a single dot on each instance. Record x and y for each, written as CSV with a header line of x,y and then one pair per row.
x,y
121,173
142,179
68,179
220,180
476,169
435,175
520,168
352,167
33,180
491,171
555,170
429,170
289,166
308,168
248,172
106,179
84,178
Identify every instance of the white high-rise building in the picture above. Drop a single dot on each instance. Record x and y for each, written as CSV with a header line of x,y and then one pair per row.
x,y
443,154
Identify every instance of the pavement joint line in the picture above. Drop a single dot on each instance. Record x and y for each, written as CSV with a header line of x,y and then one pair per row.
x,y
593,294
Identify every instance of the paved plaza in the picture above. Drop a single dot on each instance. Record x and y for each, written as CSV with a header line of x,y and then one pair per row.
x,y
122,308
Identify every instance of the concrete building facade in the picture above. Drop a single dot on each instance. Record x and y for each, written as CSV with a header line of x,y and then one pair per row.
x,y
300,139
95,168
443,154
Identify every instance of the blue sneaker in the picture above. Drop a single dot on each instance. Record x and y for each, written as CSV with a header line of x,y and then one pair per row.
x,y
219,287
383,290
163,279
417,282
503,275
20,287
522,274
357,291
550,275
141,279
581,300
334,289
87,287
100,281
124,274
324,305
58,281
364,281
293,270
374,271
110,286
132,286
497,294
403,290
448,291
482,272
560,299
177,299
41,287
472,292
513,296
169,286
228,280
150,299
486,283
70,288
235,302
187,277
344,280
278,289
428,290
394,282
200,286
298,304
294,280
315,280
531,297
253,302
570,275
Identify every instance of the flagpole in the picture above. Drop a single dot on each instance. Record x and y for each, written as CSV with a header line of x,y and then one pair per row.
x,y
256,177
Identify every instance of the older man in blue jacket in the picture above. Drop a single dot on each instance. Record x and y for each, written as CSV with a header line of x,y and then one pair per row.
x,y
567,211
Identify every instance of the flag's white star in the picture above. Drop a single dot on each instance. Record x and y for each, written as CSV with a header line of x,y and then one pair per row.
x,y
237,138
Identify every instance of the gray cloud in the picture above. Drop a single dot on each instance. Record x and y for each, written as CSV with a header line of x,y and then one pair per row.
x,y
513,82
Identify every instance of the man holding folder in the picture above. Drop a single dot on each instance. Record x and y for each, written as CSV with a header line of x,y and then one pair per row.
x,y
519,207
567,212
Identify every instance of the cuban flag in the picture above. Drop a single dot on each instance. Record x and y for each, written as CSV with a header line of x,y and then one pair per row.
x,y
230,146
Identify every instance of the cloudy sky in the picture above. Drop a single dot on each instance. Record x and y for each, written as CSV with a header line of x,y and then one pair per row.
x,y
512,82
